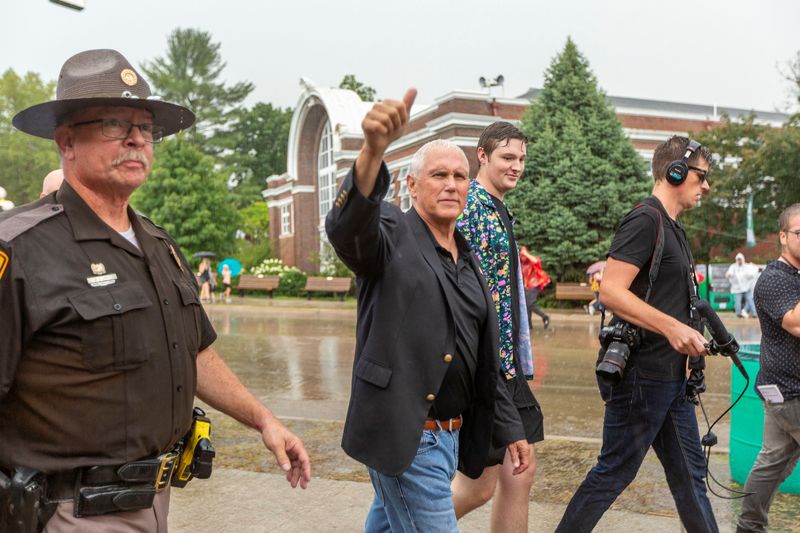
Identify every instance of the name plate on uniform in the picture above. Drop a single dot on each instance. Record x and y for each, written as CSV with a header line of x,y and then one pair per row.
x,y
102,281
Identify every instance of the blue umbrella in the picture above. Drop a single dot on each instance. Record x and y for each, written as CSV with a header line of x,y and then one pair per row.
x,y
233,264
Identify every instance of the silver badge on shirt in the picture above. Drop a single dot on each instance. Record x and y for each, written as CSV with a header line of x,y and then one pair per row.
x,y
100,278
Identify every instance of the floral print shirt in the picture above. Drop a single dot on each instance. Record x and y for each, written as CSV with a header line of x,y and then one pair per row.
x,y
481,225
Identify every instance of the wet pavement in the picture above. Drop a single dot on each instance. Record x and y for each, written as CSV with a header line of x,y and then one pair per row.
x,y
297,358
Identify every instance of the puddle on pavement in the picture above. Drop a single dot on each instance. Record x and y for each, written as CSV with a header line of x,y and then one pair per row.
x,y
299,362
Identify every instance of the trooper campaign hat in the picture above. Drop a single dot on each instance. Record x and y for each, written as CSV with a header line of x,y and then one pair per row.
x,y
100,78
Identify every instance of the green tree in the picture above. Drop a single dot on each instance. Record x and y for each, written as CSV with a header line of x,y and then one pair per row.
x,y
719,224
255,222
255,246
791,72
582,174
24,159
751,159
188,74
779,158
365,92
188,196
258,150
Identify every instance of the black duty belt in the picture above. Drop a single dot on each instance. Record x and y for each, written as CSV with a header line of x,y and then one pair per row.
x,y
103,489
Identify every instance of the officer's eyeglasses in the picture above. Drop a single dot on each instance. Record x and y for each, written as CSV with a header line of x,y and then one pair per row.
x,y
701,173
115,128
796,232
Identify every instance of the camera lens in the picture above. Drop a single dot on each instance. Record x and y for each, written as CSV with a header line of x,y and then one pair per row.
x,y
611,367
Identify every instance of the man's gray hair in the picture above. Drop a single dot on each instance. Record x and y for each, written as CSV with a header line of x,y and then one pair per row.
x,y
418,161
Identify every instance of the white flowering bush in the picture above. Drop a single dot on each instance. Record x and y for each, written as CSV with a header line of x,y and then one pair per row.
x,y
292,279
268,267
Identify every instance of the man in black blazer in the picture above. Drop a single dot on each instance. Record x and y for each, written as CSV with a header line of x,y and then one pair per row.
x,y
427,395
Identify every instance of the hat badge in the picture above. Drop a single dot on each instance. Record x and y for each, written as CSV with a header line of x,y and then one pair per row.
x,y
129,77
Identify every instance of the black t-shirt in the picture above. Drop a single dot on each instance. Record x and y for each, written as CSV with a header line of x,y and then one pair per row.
x,y
470,311
634,243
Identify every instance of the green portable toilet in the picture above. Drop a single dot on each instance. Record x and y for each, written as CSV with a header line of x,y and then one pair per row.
x,y
719,296
747,422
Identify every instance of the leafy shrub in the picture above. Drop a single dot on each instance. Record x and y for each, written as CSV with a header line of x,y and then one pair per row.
x,y
292,279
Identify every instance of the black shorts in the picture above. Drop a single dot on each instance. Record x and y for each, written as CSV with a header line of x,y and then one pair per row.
x,y
529,411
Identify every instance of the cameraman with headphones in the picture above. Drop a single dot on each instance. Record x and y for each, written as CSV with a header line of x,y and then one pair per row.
x,y
648,406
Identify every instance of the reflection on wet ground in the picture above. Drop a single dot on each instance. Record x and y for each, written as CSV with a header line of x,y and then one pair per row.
x,y
299,362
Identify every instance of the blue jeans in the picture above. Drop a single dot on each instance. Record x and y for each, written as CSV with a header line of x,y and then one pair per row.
x,y
746,299
419,499
641,413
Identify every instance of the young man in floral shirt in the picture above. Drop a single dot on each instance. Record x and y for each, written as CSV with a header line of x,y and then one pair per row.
x,y
487,225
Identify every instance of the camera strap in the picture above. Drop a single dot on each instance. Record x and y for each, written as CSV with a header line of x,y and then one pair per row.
x,y
655,259
658,251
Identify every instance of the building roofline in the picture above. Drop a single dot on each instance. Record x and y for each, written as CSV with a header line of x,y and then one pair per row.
x,y
643,106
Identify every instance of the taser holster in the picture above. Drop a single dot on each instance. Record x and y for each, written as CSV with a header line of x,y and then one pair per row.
x,y
198,453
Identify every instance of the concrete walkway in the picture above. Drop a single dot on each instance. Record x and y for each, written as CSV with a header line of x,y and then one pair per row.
x,y
249,502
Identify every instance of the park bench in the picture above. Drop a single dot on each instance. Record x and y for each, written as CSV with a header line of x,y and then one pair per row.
x,y
258,283
574,291
327,284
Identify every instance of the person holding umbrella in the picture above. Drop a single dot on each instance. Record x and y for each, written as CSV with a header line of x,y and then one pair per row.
x,y
204,275
228,268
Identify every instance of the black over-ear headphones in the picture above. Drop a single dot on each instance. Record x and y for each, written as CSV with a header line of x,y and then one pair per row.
x,y
679,169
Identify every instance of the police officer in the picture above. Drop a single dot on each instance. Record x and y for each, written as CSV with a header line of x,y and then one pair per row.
x,y
103,342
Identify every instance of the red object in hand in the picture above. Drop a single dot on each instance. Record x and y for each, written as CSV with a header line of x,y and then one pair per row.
x,y
533,275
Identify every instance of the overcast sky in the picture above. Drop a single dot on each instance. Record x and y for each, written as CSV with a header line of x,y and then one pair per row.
x,y
725,52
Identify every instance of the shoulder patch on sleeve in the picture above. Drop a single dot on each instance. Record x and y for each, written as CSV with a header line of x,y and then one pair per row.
x,y
18,223
3,263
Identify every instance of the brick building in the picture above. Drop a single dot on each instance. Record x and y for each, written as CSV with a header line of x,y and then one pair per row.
x,y
325,137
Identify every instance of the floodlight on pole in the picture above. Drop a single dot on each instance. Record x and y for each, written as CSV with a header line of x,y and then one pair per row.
x,y
491,82
77,5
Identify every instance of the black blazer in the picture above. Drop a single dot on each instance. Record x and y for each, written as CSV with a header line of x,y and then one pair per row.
x,y
404,330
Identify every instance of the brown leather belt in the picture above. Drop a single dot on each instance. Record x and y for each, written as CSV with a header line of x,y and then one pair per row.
x,y
447,425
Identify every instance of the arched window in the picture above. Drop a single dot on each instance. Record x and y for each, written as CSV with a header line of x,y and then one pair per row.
x,y
326,170
404,194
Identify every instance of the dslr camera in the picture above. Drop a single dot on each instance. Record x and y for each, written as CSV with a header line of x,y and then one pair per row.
x,y
616,341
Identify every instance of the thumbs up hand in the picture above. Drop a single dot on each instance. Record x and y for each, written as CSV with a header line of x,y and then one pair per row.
x,y
382,125
385,122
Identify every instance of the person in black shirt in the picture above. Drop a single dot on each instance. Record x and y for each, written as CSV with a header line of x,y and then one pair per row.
x,y
777,297
649,407
427,392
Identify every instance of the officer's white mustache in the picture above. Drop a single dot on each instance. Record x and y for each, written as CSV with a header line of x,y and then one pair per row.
x,y
131,155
